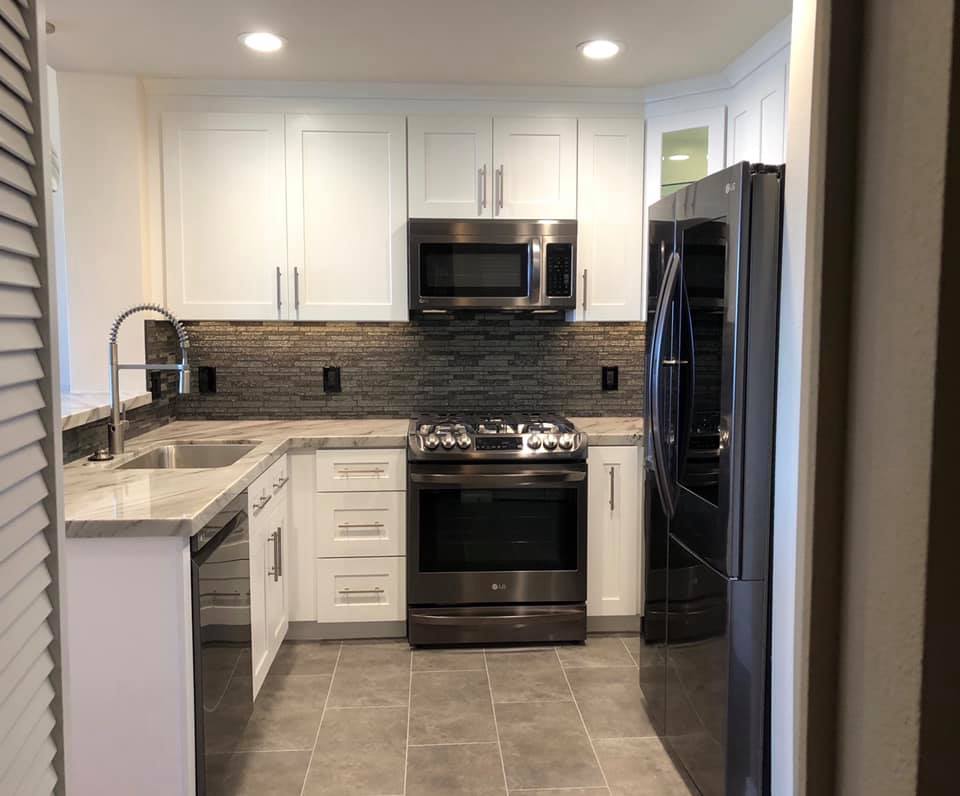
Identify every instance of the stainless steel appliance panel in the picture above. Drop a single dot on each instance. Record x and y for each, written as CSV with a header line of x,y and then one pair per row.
x,y
220,594
492,264
496,533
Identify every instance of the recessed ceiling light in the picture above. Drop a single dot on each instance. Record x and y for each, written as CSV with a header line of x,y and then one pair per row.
x,y
599,49
679,157
262,41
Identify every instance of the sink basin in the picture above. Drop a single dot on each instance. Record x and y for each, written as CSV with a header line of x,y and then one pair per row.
x,y
182,456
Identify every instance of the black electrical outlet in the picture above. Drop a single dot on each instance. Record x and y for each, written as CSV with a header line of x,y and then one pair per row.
x,y
609,377
331,379
156,385
207,378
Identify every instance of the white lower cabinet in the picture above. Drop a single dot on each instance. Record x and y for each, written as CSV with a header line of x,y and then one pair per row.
x,y
613,530
268,510
361,589
349,515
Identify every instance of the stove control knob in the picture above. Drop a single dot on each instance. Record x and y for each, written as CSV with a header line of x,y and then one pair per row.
x,y
463,441
550,441
566,441
447,441
431,441
533,441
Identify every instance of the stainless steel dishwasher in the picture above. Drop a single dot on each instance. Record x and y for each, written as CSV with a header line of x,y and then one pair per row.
x,y
222,660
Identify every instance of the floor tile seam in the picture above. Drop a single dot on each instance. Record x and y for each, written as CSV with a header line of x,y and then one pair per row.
x,y
446,671
451,743
365,707
583,723
634,658
611,666
316,738
496,726
406,745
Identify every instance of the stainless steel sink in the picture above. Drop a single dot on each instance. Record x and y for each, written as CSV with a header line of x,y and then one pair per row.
x,y
182,456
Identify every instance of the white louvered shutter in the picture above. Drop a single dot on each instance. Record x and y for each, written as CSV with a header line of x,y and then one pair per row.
x,y
29,675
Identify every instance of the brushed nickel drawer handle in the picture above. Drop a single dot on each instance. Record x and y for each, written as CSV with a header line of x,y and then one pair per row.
x,y
281,482
348,590
350,525
262,502
369,471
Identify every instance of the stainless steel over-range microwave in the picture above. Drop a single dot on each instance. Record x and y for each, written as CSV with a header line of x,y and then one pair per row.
x,y
494,265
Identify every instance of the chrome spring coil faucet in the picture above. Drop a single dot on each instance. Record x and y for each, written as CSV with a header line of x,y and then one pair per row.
x,y
118,424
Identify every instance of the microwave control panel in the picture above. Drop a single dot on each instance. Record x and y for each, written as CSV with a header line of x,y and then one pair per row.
x,y
559,269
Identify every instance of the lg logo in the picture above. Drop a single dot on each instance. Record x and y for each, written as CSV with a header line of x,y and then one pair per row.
x,y
498,586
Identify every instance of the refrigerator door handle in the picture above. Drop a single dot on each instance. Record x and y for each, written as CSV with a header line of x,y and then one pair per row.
x,y
665,487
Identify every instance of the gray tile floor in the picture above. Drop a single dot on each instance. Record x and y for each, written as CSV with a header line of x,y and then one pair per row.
x,y
375,718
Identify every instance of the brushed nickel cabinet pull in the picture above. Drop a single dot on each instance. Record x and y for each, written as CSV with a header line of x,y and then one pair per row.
x,y
584,292
348,590
369,471
612,502
279,302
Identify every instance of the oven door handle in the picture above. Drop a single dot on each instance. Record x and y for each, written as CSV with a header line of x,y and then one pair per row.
x,y
553,615
485,480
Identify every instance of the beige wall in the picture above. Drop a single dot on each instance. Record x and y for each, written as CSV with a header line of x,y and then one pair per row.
x,y
102,134
902,156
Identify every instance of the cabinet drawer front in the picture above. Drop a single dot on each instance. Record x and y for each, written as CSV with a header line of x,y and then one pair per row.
x,y
361,471
361,589
360,524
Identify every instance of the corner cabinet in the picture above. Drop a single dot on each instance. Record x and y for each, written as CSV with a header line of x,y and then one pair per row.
x,y
613,530
224,215
347,217
610,256
486,167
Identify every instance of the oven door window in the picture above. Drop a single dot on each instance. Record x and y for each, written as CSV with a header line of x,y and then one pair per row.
x,y
498,530
474,270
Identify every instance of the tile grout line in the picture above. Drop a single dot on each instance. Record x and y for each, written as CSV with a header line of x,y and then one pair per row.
x,y
496,725
636,660
583,723
406,746
326,700
451,743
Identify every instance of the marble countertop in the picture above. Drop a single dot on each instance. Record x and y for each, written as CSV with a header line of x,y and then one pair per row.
x,y
80,408
103,501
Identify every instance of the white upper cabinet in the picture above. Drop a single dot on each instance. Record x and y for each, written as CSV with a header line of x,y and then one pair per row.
x,y
683,148
450,166
610,261
224,215
535,168
756,118
347,232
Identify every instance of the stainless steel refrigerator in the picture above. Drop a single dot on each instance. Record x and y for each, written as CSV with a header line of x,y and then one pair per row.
x,y
713,297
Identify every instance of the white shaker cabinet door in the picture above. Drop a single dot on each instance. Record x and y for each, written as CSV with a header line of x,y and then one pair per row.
x,y
347,217
535,168
450,168
610,260
613,530
224,215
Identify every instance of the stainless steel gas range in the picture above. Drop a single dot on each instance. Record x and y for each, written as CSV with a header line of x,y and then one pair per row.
x,y
496,530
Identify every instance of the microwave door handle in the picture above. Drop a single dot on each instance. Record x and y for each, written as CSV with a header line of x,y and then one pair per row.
x,y
536,261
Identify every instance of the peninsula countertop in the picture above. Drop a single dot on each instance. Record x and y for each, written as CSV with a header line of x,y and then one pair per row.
x,y
101,500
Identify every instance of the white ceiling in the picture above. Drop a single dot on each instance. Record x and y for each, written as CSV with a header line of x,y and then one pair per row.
x,y
521,42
